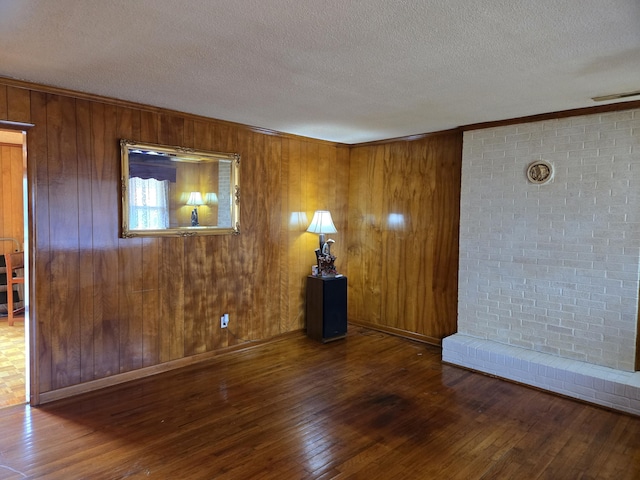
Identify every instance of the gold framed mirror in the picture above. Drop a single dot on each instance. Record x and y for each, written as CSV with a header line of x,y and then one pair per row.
x,y
177,191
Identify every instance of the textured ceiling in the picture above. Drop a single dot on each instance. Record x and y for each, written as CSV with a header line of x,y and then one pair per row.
x,y
346,71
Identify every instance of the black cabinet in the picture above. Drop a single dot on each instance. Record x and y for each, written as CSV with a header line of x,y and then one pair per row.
x,y
326,308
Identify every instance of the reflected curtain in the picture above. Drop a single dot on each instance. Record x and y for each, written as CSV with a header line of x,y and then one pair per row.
x,y
149,203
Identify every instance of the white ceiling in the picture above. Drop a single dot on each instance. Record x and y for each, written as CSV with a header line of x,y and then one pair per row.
x,y
343,70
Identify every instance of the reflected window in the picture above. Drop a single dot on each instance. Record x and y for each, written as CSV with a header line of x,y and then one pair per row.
x,y
395,221
149,203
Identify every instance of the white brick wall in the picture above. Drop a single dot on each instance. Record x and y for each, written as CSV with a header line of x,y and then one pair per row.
x,y
600,385
553,268
224,201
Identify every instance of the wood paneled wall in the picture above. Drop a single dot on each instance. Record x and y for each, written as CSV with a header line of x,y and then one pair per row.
x,y
11,199
404,210
104,305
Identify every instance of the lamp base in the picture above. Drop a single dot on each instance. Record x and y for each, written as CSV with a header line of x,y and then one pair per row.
x,y
326,265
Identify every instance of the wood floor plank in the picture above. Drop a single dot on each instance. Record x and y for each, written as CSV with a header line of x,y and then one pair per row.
x,y
370,406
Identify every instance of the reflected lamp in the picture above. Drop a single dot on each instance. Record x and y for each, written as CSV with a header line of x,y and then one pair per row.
x,y
195,200
211,198
298,221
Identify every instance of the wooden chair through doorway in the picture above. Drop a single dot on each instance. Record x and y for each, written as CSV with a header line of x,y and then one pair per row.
x,y
15,276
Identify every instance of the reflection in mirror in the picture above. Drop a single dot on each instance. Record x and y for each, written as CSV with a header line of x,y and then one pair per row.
x,y
176,191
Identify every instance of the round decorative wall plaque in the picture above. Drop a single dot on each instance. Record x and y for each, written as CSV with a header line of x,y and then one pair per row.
x,y
539,172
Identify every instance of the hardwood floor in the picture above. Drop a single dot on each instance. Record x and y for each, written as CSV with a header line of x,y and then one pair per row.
x,y
12,363
371,406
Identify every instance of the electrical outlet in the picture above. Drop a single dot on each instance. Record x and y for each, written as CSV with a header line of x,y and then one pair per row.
x,y
224,320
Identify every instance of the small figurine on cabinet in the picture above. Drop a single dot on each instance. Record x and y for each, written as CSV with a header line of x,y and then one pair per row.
x,y
326,248
326,261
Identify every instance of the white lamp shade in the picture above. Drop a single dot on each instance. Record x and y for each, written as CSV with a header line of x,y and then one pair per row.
x,y
322,223
195,198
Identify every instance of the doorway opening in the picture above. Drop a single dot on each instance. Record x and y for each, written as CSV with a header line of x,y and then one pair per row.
x,y
14,324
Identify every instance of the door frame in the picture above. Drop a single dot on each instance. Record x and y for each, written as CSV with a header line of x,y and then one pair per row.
x,y
32,391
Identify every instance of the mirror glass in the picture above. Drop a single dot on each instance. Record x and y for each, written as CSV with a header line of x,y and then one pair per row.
x,y
176,191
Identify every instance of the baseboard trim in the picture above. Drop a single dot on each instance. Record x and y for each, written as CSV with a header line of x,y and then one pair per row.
x,y
121,378
398,332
